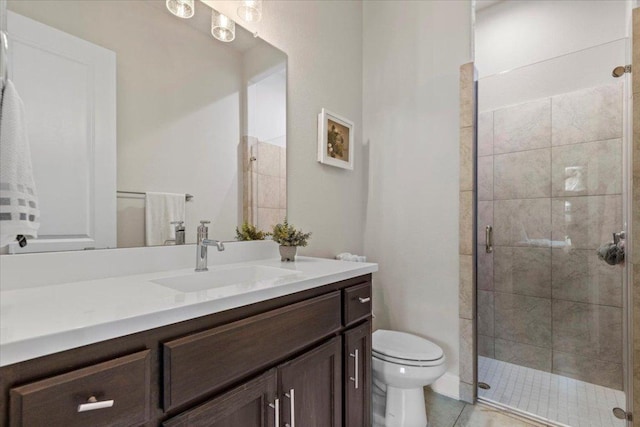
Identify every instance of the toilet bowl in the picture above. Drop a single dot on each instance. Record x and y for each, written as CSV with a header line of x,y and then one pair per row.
x,y
403,364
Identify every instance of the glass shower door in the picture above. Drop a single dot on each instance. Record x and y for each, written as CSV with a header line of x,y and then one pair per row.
x,y
551,291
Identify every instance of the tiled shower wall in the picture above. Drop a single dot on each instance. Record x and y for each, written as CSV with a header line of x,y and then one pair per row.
x,y
264,183
466,289
550,184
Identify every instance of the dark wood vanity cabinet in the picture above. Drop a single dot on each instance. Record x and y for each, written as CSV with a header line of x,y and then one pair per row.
x,y
251,404
357,375
306,391
312,387
300,360
120,385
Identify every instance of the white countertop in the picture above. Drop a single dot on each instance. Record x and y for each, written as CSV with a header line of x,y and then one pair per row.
x,y
37,321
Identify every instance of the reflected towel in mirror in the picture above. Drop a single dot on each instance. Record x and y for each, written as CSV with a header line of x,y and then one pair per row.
x,y
160,210
19,210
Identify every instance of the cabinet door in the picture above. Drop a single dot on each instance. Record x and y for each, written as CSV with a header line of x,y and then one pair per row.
x,y
311,387
253,404
357,375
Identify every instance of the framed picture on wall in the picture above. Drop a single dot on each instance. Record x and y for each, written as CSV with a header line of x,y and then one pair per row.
x,y
335,140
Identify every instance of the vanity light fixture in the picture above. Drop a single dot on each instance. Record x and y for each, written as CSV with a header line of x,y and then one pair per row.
x,y
250,10
222,28
181,8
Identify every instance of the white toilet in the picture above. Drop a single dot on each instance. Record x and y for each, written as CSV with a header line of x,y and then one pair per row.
x,y
402,365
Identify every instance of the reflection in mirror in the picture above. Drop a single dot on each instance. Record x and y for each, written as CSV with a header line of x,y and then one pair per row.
x,y
124,99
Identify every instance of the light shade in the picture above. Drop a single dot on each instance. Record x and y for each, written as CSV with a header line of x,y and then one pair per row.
x,y
250,10
181,8
222,28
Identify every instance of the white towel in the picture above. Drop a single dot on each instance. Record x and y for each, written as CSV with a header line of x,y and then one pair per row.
x,y
19,209
160,210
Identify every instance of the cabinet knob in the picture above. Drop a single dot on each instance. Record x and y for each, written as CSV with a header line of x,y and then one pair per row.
x,y
93,404
364,300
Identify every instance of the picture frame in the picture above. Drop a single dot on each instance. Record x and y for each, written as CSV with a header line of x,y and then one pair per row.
x,y
335,140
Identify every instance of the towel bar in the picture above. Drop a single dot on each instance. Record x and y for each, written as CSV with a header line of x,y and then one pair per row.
x,y
188,197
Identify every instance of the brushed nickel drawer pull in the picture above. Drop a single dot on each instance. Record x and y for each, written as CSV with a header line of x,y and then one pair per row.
x,y
93,404
364,300
276,406
291,395
356,357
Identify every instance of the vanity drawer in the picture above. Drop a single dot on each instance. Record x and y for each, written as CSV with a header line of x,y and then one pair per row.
x,y
357,303
66,400
208,361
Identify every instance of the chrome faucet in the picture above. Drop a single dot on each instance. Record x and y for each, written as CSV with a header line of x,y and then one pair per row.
x,y
179,233
203,243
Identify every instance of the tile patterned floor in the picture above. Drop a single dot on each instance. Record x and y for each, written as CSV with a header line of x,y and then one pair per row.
x,y
554,397
443,411
446,412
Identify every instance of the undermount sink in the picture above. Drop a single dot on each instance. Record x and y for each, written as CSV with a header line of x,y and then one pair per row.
x,y
200,281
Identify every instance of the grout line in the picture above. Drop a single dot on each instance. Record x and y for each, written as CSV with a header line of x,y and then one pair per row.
x,y
553,197
551,298
552,146
455,423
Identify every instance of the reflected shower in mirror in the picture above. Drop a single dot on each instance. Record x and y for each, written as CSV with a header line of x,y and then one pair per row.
x,y
123,99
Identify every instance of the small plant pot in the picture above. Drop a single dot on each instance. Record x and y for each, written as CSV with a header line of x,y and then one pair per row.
x,y
288,253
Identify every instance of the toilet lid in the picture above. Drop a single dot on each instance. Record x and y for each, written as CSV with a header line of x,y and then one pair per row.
x,y
401,345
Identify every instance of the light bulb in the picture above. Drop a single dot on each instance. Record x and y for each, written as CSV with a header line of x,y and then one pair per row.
x,y
250,10
181,8
222,28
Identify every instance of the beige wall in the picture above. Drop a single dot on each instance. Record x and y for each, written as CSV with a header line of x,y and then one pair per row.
x,y
411,119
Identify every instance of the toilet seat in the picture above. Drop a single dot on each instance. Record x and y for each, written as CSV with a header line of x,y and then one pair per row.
x,y
408,362
405,349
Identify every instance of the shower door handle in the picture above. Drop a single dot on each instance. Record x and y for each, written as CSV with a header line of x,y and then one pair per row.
x,y
488,239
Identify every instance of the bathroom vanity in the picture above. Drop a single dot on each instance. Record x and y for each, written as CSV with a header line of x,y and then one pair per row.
x,y
301,358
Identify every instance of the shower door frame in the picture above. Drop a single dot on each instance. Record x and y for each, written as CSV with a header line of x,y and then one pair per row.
x,y
627,212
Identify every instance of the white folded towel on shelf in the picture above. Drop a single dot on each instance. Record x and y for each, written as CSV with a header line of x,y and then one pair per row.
x,y
347,256
160,210
19,209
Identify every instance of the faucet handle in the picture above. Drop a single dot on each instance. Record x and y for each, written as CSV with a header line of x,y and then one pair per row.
x,y
203,230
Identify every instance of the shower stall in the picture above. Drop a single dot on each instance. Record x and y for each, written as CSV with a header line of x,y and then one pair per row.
x,y
552,184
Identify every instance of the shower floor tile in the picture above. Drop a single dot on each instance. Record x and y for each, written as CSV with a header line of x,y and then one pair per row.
x,y
553,397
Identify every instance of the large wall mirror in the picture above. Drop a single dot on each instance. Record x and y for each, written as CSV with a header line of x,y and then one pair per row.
x,y
124,100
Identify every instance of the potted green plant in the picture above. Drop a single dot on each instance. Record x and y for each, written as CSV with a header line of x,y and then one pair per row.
x,y
249,232
289,239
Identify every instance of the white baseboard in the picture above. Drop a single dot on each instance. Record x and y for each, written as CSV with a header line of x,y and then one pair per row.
x,y
448,385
